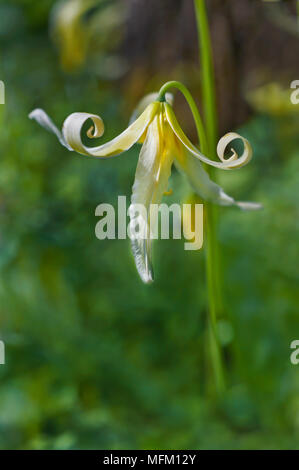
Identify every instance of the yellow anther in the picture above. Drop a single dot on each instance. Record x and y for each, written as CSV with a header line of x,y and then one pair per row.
x,y
168,193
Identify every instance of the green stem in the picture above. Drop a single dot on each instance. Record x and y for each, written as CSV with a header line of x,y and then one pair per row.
x,y
207,73
194,109
210,114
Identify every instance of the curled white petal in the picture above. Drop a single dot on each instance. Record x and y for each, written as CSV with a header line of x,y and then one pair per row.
x,y
201,181
225,141
233,162
40,116
73,124
72,127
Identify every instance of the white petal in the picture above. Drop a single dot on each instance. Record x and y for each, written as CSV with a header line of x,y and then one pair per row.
x,y
151,179
201,182
226,164
225,141
70,137
40,116
73,125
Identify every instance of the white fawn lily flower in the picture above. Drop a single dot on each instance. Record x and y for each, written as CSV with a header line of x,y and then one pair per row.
x,y
163,143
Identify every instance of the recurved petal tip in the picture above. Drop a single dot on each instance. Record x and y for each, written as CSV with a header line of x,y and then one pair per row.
x,y
249,206
142,261
42,118
236,160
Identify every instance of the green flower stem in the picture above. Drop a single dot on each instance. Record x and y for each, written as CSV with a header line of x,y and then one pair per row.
x,y
212,256
211,238
207,74
194,109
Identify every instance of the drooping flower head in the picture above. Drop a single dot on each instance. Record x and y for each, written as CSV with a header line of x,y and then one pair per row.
x,y
79,27
163,143
69,32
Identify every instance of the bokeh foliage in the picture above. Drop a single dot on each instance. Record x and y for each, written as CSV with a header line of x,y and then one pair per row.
x,y
95,359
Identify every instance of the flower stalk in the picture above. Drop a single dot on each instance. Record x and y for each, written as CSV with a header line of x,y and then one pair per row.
x,y
194,110
212,253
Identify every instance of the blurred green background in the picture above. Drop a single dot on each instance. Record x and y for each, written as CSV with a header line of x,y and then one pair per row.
x,y
94,358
